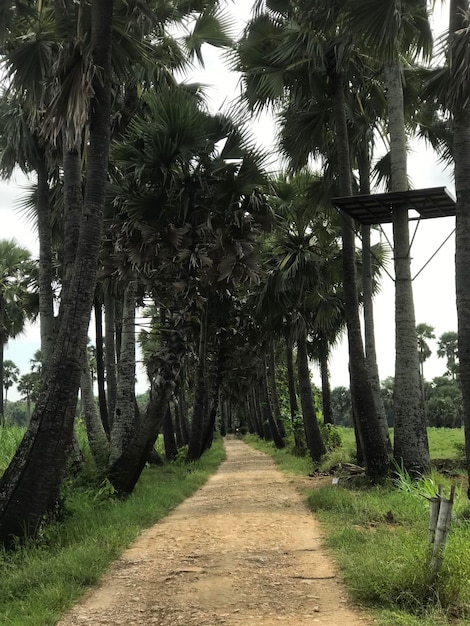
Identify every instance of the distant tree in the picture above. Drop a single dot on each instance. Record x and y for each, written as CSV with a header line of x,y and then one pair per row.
x,y
424,332
36,362
447,348
341,406
15,271
444,407
28,386
9,376
387,388
15,414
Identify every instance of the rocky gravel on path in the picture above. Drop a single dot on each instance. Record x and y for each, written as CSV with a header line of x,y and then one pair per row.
x,y
243,550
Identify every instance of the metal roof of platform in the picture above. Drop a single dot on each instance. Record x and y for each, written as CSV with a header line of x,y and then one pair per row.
x,y
378,208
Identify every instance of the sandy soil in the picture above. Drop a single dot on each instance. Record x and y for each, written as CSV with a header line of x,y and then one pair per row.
x,y
243,550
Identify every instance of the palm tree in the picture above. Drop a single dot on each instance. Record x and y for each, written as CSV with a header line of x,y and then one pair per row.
x,y
424,332
447,348
403,29
15,270
35,474
78,112
28,385
10,376
451,91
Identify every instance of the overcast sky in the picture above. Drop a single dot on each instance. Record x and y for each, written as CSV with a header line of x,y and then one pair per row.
x,y
434,288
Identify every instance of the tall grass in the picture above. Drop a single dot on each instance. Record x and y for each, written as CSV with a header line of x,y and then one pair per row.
x,y
40,581
10,437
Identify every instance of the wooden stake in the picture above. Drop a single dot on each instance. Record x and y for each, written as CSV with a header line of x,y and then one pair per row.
x,y
442,531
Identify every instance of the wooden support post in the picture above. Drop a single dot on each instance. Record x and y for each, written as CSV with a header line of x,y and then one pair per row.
x,y
442,530
434,513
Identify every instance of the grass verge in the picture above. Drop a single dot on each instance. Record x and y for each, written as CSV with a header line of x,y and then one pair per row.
x,y
39,582
378,537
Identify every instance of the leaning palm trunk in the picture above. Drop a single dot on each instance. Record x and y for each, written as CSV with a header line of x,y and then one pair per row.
x,y
100,371
325,380
46,300
169,442
273,389
369,334
97,438
125,470
124,420
110,352
31,485
410,434
312,428
372,442
195,448
268,410
461,132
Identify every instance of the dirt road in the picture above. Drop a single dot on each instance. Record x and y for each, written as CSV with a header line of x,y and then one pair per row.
x,y
243,550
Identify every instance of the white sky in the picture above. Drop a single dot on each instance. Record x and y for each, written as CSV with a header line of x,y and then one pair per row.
x,y
434,288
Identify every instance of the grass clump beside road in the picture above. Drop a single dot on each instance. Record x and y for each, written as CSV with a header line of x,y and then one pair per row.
x,y
40,581
379,538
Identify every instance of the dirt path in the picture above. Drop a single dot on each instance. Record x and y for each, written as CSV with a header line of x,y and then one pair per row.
x,y
243,550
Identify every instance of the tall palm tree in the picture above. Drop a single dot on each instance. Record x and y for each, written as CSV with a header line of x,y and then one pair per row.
x,y
31,484
453,96
447,348
78,107
394,29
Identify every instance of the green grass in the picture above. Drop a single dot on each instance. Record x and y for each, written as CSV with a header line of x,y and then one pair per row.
x,y
446,443
378,537
10,438
39,582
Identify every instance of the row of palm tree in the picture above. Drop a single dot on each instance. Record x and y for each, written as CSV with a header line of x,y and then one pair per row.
x,y
145,197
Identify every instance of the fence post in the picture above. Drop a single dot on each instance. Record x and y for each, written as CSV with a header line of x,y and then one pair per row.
x,y
442,527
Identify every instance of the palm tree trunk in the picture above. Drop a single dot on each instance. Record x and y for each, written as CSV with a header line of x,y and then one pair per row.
x,y
171,451
410,434
268,411
368,306
110,354
195,448
73,207
273,389
100,366
46,298
372,443
294,407
312,429
127,468
182,414
124,421
257,413
369,334
97,438
325,383
461,132
31,484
